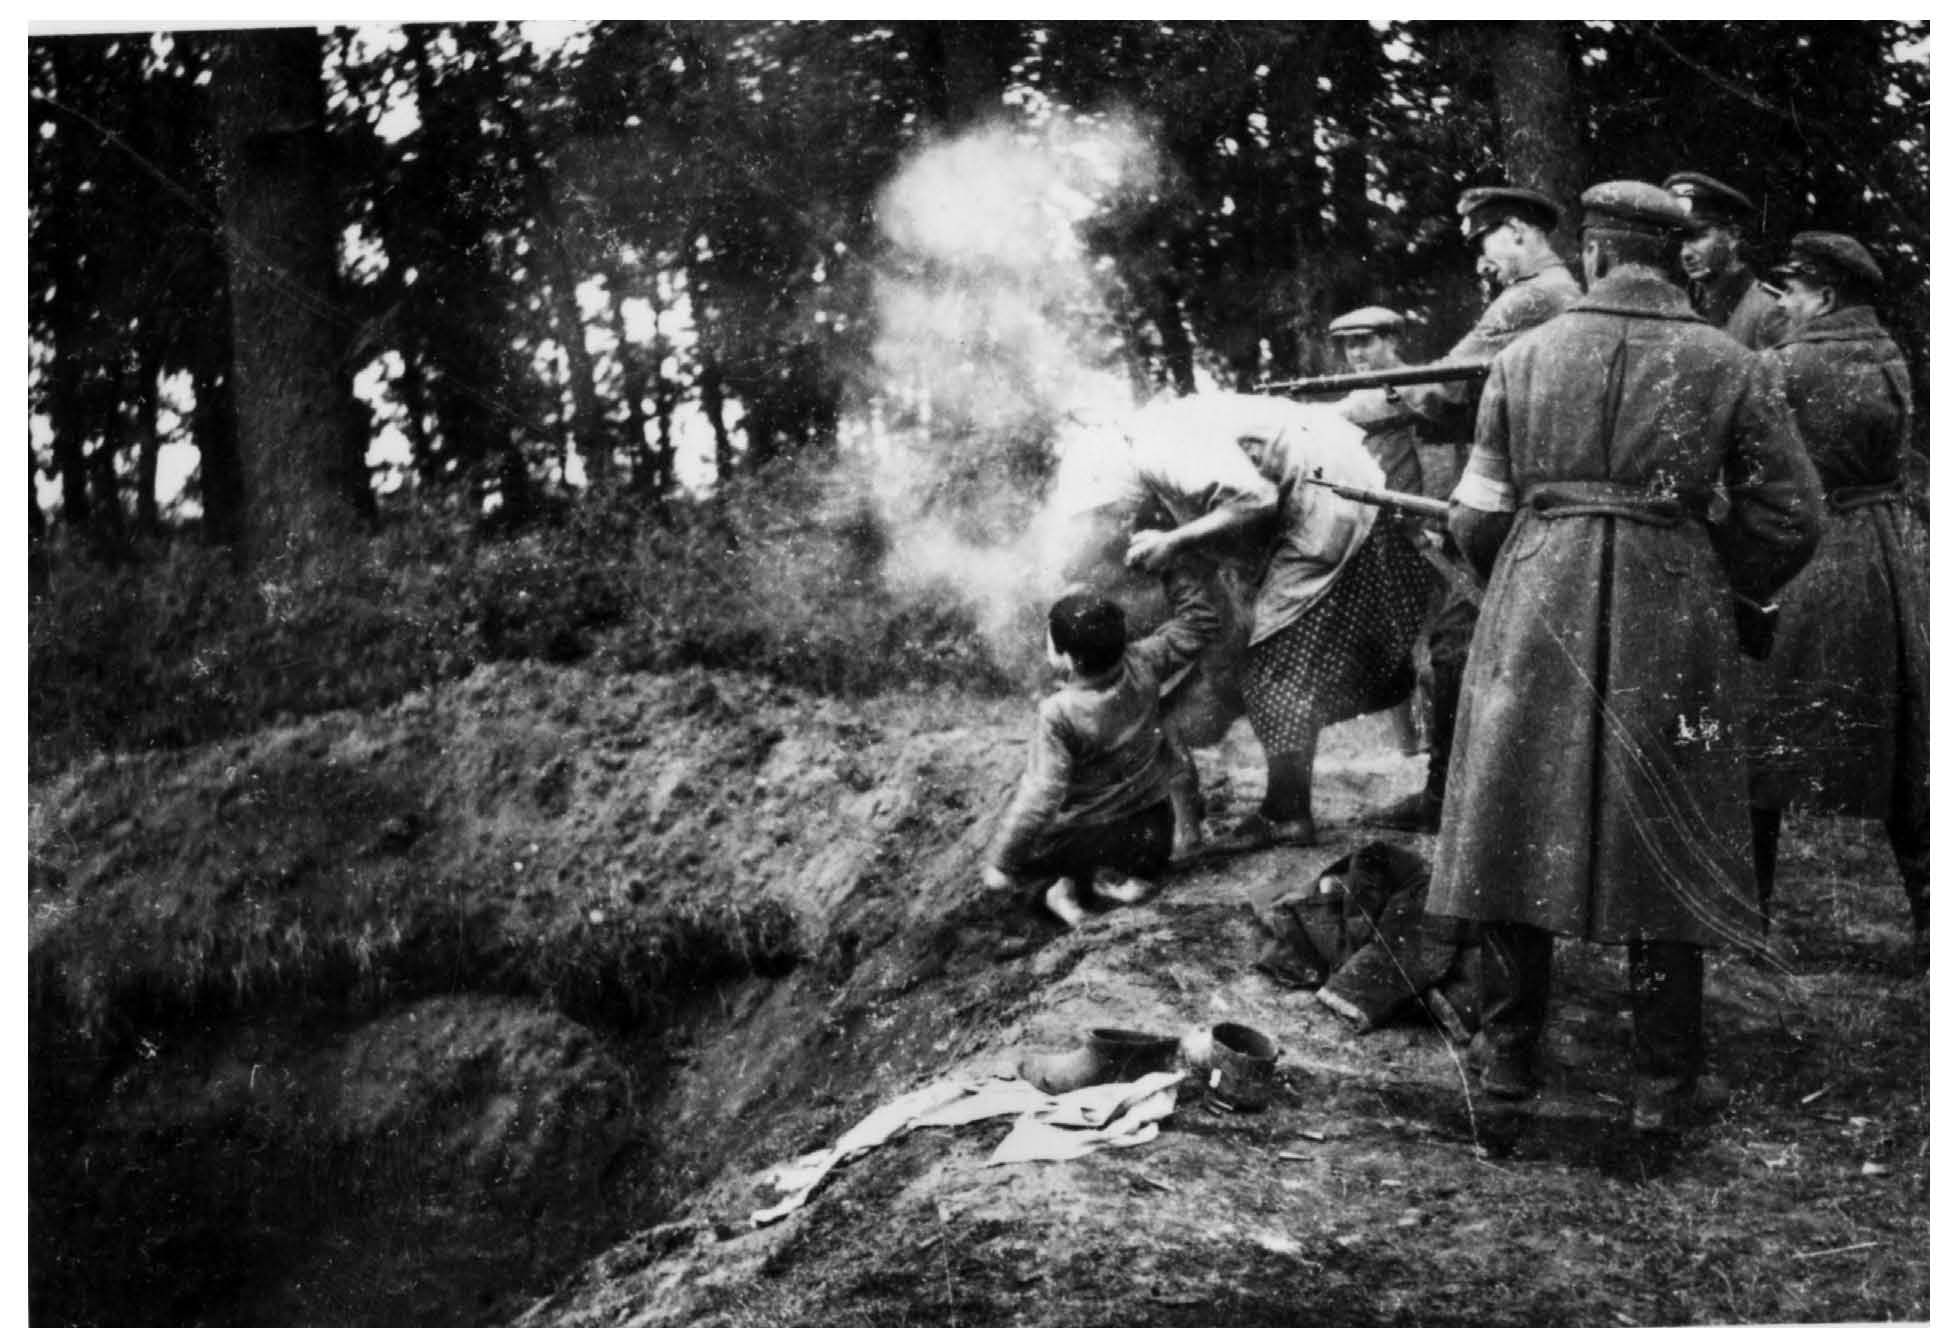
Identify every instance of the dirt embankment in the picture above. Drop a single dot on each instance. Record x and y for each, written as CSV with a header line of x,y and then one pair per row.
x,y
583,955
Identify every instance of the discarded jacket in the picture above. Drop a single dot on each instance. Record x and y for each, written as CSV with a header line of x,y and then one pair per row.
x,y
1361,939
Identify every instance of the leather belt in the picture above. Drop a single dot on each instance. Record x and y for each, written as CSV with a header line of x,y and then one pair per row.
x,y
1606,499
1849,497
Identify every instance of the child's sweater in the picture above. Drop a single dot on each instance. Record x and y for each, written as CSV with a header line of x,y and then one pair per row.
x,y
1098,753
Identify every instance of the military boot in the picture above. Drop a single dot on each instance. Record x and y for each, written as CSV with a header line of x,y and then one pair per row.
x,y
1671,1107
1507,1069
1105,1055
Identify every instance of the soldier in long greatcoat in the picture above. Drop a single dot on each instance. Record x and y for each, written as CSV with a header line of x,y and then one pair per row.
x,y
1598,784
1842,719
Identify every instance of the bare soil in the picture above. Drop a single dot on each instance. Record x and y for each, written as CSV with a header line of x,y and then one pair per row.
x,y
466,1138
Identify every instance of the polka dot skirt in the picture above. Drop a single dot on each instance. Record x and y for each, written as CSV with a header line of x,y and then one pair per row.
x,y
1350,653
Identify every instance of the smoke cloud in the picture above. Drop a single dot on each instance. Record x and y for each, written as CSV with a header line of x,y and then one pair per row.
x,y
997,353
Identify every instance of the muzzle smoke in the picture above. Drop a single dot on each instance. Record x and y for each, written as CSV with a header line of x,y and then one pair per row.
x,y
997,349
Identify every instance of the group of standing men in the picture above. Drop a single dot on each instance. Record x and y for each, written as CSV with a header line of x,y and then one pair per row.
x,y
1649,467
1617,718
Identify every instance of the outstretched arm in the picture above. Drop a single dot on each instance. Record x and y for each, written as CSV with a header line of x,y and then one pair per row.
x,y
1162,550
1443,406
1193,618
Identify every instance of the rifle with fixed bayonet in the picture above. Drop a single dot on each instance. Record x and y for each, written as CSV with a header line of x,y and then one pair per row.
x,y
1404,375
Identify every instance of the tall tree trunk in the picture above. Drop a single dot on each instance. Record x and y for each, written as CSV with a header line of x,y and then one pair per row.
x,y
219,470
475,435
709,375
410,386
1356,71
563,422
40,578
107,520
278,212
1177,349
634,388
709,385
144,401
70,435
519,500
68,339
1539,127
965,67
355,439
590,429
1291,223
667,395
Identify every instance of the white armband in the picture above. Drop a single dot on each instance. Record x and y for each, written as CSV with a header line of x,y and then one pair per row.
x,y
1487,496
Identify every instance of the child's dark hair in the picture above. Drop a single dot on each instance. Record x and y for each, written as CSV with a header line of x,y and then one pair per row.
x,y
1090,630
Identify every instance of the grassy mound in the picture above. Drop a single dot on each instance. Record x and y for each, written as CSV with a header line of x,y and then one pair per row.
x,y
779,577
338,864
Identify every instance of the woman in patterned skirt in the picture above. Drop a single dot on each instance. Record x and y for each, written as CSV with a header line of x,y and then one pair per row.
x,y
1342,595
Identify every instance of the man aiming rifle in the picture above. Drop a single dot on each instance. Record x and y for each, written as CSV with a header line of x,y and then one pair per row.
x,y
1511,229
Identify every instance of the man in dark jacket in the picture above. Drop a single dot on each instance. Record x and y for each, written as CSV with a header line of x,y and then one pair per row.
x,y
1368,339
1842,718
1720,280
1512,228
1598,785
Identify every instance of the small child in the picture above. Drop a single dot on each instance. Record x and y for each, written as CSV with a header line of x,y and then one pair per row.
x,y
1094,794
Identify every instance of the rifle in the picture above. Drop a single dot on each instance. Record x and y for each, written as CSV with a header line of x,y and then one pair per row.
x,y
1755,622
1434,511
1405,375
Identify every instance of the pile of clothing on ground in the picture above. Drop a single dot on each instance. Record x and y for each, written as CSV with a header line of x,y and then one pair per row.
x,y
1361,939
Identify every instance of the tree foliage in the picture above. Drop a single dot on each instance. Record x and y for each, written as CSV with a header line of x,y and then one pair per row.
x,y
547,259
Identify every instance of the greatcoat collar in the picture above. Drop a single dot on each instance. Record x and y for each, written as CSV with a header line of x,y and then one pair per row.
x,y
1858,322
1637,291
1716,299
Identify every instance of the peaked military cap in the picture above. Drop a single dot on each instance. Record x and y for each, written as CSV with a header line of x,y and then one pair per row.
x,y
1482,209
1827,258
1365,320
1707,200
1633,207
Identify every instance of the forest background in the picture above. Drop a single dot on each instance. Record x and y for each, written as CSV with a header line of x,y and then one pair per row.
x,y
360,356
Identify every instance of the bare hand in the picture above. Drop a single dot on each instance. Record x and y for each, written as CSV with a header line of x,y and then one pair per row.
x,y
1151,550
996,879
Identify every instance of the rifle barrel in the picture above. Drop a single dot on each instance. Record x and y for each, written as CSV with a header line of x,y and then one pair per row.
x,y
1409,375
1424,506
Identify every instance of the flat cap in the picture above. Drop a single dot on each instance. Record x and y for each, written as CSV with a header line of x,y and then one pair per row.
x,y
1831,257
1482,209
1707,200
1367,320
1633,207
